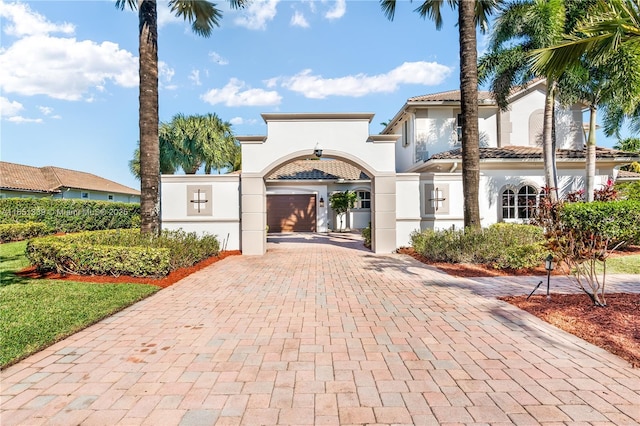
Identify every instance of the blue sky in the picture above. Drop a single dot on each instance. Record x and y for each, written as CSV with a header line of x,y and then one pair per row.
x,y
68,72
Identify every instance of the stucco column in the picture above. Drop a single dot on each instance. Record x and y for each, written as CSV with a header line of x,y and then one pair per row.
x,y
254,215
384,214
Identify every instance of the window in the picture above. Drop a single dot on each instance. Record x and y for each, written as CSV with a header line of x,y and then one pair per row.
x,y
110,197
508,204
405,133
459,127
84,195
364,200
527,201
520,203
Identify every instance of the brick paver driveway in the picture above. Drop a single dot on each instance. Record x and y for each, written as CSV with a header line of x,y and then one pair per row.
x,y
321,334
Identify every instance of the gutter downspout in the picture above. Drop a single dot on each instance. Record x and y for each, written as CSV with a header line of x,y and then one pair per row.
x,y
454,167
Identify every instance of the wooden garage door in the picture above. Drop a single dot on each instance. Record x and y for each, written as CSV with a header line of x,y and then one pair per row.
x,y
291,213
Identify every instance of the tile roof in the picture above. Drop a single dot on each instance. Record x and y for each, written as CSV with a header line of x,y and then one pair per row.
x,y
318,170
53,179
626,174
531,152
451,95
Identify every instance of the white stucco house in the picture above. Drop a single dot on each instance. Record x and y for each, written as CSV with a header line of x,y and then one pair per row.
x,y
408,177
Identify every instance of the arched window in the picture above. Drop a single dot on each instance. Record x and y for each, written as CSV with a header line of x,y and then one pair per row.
x,y
527,200
519,203
508,204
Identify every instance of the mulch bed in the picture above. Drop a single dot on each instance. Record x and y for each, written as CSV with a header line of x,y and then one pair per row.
x,y
163,282
615,328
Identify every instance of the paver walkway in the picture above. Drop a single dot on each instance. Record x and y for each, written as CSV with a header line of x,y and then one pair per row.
x,y
321,334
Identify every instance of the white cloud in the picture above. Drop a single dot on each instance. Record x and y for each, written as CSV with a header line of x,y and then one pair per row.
x,y
38,63
165,16
236,121
18,119
215,57
64,68
317,87
22,21
237,93
195,77
257,14
298,20
45,110
165,75
9,108
338,10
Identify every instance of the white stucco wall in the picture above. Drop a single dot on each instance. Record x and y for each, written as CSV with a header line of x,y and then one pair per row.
x,y
407,207
225,198
436,132
300,134
493,183
405,151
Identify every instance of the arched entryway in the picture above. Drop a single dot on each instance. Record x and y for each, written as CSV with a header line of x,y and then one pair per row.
x,y
292,137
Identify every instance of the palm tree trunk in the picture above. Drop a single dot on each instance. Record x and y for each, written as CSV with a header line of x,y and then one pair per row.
x,y
469,106
548,146
591,154
149,119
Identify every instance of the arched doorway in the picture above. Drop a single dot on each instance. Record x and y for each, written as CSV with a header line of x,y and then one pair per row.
x,y
342,136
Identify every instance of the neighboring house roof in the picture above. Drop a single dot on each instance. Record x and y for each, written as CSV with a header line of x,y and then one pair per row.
x,y
50,179
529,152
318,170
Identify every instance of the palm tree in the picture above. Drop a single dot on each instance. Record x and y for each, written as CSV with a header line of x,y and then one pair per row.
x,y
203,16
189,142
629,145
520,28
604,54
609,25
470,14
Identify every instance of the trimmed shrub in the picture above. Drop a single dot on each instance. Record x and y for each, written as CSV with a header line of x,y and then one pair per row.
x,y
628,190
502,246
616,221
70,215
366,235
48,254
121,251
22,231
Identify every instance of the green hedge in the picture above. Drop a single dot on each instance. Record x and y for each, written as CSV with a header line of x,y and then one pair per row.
x,y
22,231
618,221
49,254
70,215
121,252
502,246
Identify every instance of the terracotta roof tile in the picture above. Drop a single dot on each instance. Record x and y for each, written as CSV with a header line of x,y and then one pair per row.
x,y
26,178
451,95
52,179
318,170
626,174
530,152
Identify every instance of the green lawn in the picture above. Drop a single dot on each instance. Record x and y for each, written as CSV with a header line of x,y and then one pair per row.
x,y
37,313
624,265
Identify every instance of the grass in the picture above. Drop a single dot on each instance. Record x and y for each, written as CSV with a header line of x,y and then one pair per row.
x,y
37,313
624,265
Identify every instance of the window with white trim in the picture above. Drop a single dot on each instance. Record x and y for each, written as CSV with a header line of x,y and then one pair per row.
x,y
364,200
519,202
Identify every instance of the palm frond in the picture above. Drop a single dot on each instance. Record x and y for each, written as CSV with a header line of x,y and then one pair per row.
x,y
203,15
